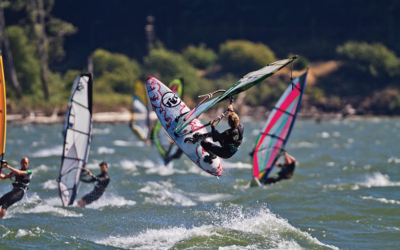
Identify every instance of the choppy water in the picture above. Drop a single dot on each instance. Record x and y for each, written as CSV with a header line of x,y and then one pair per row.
x,y
344,193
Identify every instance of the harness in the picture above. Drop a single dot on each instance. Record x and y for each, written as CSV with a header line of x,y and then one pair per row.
x,y
22,182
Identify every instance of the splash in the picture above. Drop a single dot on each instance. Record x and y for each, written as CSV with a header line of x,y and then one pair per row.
x,y
111,200
224,228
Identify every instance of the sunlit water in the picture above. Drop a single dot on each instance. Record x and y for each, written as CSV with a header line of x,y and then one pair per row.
x,y
344,193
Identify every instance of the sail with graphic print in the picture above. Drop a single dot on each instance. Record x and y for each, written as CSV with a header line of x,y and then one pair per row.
x,y
161,139
243,84
77,137
140,113
277,129
3,113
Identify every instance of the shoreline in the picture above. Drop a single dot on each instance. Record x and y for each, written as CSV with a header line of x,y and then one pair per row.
x,y
125,117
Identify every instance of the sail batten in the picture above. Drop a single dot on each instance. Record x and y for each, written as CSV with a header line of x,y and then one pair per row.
x,y
277,129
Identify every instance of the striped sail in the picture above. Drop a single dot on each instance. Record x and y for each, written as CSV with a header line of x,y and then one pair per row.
x,y
277,130
77,137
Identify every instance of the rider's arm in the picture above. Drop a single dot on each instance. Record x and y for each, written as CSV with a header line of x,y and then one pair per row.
x,y
16,171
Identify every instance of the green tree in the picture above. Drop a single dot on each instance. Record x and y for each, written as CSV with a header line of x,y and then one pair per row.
x,y
375,58
168,65
200,57
114,72
241,56
26,63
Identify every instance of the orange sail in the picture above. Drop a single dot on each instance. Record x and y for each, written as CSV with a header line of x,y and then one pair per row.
x,y
3,110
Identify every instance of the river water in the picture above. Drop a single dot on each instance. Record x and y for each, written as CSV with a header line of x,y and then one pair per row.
x,y
344,193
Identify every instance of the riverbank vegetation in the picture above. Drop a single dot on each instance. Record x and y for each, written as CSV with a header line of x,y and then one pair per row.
x,y
366,75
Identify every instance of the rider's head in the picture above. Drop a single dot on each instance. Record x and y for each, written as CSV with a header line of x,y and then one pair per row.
x,y
233,120
24,163
103,167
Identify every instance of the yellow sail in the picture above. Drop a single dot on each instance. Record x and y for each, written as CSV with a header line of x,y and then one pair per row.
x,y
3,109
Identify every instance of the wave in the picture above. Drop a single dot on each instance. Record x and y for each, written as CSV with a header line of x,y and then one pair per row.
x,y
110,200
383,200
47,152
165,194
228,228
98,131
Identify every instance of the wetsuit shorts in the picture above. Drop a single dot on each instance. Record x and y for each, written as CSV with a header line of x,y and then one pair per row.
x,y
11,197
217,150
92,196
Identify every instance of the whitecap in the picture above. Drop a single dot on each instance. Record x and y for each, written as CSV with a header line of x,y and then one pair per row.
x,y
105,150
47,152
165,194
394,160
383,200
128,165
237,165
120,143
50,184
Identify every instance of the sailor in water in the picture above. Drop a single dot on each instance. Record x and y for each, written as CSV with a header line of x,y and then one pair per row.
x,y
229,140
20,185
102,182
286,172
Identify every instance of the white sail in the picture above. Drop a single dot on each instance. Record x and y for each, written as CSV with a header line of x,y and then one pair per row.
x,y
77,137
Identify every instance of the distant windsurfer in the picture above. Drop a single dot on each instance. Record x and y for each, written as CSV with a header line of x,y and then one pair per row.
x,y
229,140
102,179
286,172
20,185
178,153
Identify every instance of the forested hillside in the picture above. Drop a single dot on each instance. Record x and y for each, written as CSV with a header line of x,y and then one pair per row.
x,y
210,44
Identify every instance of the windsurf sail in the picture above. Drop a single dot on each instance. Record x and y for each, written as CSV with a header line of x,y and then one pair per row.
x,y
276,131
140,115
77,137
243,84
160,137
3,111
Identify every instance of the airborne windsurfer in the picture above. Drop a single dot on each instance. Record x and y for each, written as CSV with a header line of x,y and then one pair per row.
x,y
229,140
102,179
286,172
20,185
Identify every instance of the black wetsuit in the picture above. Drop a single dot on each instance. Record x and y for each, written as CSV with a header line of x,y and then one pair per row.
x,y
230,141
285,173
19,186
102,182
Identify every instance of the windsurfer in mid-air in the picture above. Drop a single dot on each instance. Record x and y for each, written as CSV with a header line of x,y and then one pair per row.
x,y
20,185
102,179
229,140
286,172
